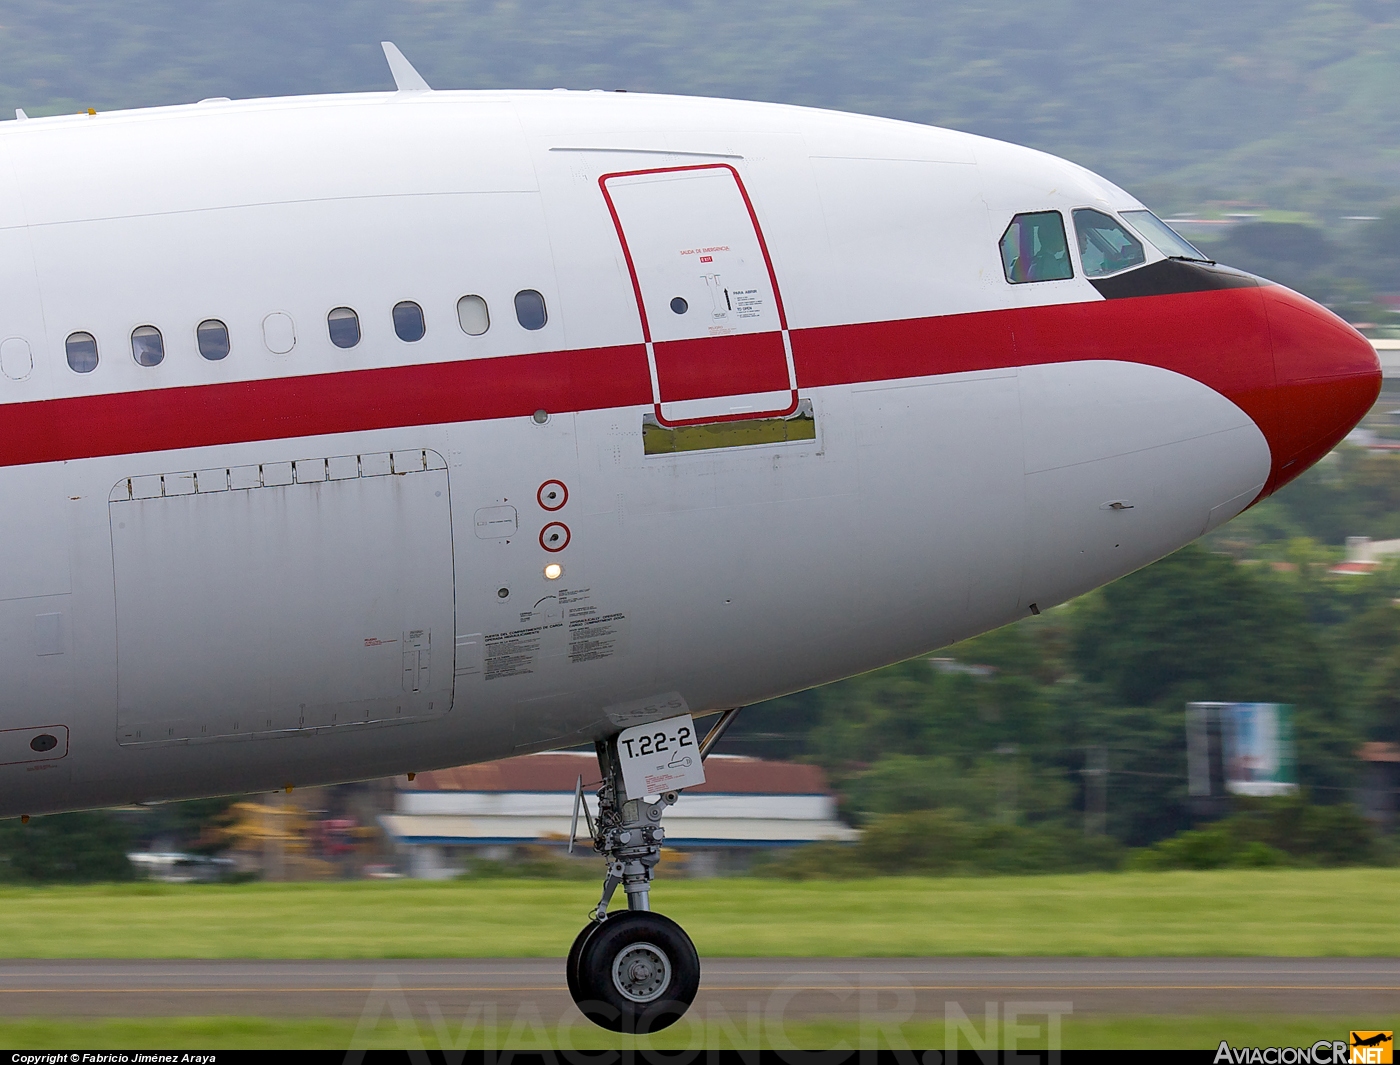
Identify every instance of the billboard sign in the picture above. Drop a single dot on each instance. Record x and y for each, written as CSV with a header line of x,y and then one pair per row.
x,y
1240,748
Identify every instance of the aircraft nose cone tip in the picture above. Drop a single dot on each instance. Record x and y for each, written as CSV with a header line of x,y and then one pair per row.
x,y
1327,376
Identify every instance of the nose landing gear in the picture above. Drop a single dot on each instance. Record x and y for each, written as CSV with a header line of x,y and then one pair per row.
x,y
635,970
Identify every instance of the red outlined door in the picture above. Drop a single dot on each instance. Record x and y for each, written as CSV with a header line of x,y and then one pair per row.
x,y
712,316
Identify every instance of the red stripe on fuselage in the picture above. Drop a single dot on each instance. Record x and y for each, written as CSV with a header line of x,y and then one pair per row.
x,y
1220,338
721,366
350,401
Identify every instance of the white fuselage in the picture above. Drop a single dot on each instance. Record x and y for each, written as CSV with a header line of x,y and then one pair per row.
x,y
304,563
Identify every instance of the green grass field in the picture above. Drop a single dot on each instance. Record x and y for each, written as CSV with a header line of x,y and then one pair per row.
x,y
1240,912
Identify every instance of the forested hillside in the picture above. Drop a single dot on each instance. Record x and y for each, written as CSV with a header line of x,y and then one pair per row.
x,y
1278,110
1288,101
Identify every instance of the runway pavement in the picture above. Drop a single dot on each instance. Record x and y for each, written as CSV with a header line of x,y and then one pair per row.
x,y
796,989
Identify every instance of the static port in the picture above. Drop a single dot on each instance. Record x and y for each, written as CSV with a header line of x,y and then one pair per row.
x,y
554,536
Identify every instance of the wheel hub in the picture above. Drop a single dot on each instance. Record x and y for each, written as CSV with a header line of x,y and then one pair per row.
x,y
641,972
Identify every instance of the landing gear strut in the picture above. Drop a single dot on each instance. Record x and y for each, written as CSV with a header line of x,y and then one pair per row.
x,y
635,970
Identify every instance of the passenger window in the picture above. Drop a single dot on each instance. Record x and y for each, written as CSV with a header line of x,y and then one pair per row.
x,y
147,347
344,326
408,321
1105,247
82,352
1034,248
529,309
473,315
212,337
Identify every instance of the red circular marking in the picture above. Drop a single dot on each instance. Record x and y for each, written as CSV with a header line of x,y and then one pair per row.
x,y
563,495
554,536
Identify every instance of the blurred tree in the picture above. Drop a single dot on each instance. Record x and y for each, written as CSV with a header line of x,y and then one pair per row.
x,y
1348,297
1287,830
1310,83
1368,639
947,842
1197,626
1287,252
194,826
85,846
1003,787
1145,752
918,708
1352,492
1379,243
1381,708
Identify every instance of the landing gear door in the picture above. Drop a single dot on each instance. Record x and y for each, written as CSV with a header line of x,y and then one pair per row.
x,y
711,313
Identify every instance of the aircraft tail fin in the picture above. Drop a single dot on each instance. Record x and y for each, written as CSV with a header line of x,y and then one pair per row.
x,y
405,77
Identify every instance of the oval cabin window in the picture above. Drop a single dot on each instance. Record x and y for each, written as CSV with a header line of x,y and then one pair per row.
x,y
529,309
473,315
344,326
147,345
212,338
408,321
82,352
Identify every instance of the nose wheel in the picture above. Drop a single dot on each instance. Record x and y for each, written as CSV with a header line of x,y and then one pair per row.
x,y
636,971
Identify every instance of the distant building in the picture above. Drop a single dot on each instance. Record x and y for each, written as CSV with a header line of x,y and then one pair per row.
x,y
442,819
1388,351
1365,555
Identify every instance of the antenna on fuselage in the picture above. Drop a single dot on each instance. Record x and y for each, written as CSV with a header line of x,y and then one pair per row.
x,y
405,77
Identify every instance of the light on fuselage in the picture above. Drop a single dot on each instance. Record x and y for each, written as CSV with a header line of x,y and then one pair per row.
x,y
553,571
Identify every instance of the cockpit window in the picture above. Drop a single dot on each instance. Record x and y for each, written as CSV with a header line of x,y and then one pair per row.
x,y
1033,248
1105,247
1167,240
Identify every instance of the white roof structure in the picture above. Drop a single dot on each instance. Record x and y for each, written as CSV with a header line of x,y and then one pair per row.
x,y
1389,353
745,802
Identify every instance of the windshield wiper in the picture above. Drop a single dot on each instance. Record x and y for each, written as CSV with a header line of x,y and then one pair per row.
x,y
1192,259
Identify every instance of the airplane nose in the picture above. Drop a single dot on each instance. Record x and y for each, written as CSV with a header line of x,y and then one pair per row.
x,y
1326,375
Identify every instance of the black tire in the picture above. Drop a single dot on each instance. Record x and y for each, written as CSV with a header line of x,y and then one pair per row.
x,y
638,972
571,962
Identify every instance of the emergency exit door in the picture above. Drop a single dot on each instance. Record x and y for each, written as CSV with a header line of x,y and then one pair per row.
x,y
712,317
